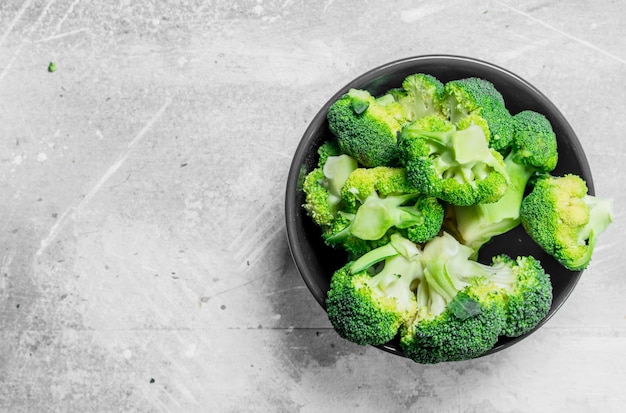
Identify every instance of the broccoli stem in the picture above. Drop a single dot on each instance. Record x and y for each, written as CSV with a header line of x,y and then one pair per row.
x,y
440,283
398,245
396,277
501,274
600,216
336,171
429,302
373,257
477,224
376,215
448,267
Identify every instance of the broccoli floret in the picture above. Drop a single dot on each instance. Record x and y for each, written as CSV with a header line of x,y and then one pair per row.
x,y
454,165
322,186
337,235
326,149
459,311
475,96
383,180
383,200
324,204
463,97
477,120
409,212
367,127
444,305
564,220
527,292
421,95
534,149
367,304
534,143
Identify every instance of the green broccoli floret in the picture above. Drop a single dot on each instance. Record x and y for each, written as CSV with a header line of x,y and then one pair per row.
x,y
454,165
382,180
337,235
409,212
527,292
370,298
324,203
322,186
421,95
326,149
382,200
564,220
534,149
367,127
477,120
464,97
534,143
459,311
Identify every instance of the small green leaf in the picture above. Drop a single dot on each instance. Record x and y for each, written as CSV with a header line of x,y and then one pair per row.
x,y
359,106
52,67
463,306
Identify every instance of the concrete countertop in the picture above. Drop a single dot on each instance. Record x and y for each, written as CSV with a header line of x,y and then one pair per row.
x,y
143,257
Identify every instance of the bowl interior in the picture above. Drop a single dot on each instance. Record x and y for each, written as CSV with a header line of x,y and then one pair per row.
x,y
316,262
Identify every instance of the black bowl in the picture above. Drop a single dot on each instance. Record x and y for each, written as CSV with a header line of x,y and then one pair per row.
x,y
316,262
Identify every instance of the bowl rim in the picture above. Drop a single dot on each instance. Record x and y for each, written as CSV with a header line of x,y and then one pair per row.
x,y
301,153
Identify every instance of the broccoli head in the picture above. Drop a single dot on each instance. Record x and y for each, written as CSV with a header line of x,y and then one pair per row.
x,y
459,311
322,186
371,297
338,235
534,142
367,127
382,200
455,165
421,95
382,180
476,96
527,292
534,149
564,220
441,304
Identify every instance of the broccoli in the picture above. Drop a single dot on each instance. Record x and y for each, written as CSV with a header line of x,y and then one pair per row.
x,y
464,306
358,208
421,95
382,199
383,180
464,97
367,304
477,120
322,186
534,149
564,220
454,165
527,292
337,235
367,127
324,204
442,305
326,149
459,311
419,221
411,276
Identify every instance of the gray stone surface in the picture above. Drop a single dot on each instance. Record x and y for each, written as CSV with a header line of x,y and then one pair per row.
x,y
143,256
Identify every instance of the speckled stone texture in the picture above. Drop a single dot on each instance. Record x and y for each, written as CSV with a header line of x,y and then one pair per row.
x,y
143,257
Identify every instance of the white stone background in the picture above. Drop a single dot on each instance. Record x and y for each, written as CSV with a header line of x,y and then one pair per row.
x,y
143,256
